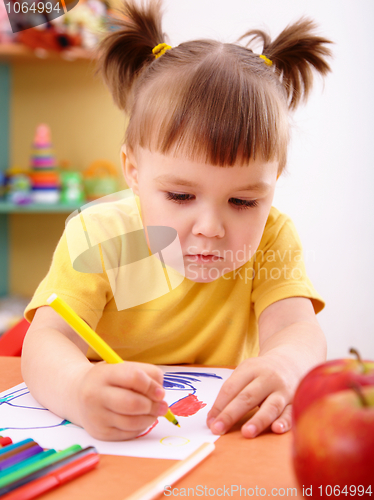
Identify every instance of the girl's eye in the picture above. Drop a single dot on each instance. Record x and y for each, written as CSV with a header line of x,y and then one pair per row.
x,y
242,204
237,202
179,198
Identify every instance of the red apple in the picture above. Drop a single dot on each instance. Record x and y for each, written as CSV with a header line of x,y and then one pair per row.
x,y
332,376
333,446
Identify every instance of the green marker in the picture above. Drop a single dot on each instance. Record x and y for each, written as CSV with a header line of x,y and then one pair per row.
x,y
25,463
40,464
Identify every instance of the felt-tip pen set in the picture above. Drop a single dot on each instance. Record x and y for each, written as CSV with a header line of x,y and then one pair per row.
x,y
27,471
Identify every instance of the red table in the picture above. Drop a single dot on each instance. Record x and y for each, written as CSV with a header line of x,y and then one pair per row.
x,y
263,462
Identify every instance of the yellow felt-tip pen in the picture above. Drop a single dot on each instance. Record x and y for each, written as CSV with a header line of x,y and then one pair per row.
x,y
91,337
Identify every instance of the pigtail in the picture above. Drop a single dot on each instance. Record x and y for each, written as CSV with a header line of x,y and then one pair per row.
x,y
128,50
294,53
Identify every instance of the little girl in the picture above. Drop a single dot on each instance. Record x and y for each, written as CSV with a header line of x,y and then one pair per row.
x,y
205,144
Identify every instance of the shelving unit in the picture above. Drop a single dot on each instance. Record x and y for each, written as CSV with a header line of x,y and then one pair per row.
x,y
10,53
11,208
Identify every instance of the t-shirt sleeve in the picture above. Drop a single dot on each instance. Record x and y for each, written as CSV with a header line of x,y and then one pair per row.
x,y
279,268
86,292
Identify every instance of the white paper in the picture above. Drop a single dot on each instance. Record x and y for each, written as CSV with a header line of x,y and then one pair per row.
x,y
189,389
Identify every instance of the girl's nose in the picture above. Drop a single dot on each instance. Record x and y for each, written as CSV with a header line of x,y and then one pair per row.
x,y
208,224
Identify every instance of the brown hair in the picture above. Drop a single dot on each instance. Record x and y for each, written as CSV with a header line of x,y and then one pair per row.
x,y
207,100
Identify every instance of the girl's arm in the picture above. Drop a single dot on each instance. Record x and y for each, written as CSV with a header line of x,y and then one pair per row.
x,y
291,343
111,402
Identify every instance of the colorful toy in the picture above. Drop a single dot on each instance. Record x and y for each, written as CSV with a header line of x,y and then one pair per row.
x,y
2,184
19,189
48,39
100,179
45,179
86,20
72,187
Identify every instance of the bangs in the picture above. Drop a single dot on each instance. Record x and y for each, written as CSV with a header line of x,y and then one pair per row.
x,y
217,111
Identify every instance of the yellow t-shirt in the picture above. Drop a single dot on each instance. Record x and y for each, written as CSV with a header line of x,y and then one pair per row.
x,y
212,323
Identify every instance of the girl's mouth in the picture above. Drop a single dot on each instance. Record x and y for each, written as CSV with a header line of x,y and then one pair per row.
x,y
203,258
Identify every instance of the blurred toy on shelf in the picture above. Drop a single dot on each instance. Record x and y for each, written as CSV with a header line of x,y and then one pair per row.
x,y
82,26
48,37
72,190
18,188
44,175
2,184
100,179
87,20
73,34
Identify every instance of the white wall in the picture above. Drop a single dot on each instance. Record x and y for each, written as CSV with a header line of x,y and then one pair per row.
x,y
328,190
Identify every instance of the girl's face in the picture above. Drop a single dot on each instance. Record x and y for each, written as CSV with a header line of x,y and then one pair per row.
x,y
219,213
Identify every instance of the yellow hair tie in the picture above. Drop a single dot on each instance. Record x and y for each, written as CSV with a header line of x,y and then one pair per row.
x,y
266,60
160,49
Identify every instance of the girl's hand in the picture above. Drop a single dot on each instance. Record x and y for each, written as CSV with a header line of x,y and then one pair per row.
x,y
265,381
291,343
119,401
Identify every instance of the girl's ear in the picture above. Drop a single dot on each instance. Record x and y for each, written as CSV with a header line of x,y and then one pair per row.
x,y
129,167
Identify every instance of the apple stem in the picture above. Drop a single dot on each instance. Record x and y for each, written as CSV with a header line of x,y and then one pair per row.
x,y
358,390
354,351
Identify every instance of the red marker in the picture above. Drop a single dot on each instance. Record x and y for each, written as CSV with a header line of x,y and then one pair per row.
x,y
59,476
4,441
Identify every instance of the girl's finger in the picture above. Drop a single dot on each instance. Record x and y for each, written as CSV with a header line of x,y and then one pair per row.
x,y
270,410
229,391
119,427
127,402
126,423
284,422
153,371
134,377
250,397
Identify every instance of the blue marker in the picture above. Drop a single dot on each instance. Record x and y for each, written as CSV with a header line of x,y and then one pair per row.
x,y
10,447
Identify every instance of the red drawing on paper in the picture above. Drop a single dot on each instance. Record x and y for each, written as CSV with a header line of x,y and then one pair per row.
x,y
187,406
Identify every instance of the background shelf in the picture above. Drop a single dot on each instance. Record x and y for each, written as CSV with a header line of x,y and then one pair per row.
x,y
11,208
12,52
64,91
